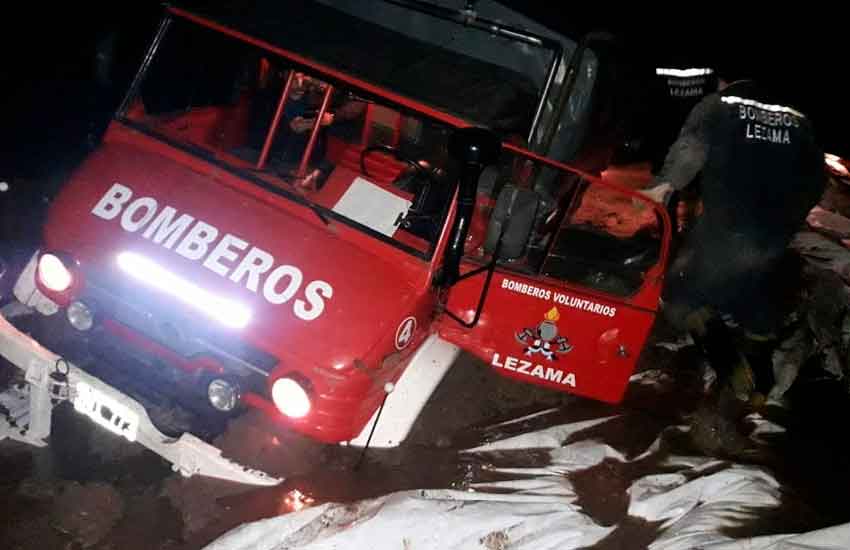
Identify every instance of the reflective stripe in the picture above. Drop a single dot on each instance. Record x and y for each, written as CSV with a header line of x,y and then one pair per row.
x,y
684,73
734,100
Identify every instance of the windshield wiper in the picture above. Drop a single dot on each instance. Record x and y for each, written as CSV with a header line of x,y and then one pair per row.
x,y
297,198
318,212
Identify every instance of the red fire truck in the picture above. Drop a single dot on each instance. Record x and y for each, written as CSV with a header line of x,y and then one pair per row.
x,y
311,208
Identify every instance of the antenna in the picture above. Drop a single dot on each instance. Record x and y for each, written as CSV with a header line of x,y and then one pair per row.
x,y
388,389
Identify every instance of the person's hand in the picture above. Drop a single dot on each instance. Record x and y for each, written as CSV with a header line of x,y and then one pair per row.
x,y
660,193
300,124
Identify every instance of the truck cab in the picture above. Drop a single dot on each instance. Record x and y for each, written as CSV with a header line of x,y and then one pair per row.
x,y
312,210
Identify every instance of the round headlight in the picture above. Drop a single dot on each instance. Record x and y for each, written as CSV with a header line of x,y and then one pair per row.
x,y
223,395
53,274
80,316
290,398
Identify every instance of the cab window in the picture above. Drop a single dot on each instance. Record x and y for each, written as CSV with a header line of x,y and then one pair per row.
x,y
557,225
356,158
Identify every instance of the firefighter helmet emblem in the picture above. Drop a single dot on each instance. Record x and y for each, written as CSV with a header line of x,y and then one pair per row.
x,y
544,338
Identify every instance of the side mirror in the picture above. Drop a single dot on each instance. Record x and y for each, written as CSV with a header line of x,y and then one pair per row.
x,y
512,222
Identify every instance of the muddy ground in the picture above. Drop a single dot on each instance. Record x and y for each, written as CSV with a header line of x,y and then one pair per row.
x,y
91,490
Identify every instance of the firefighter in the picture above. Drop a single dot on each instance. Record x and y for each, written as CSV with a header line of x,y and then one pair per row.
x,y
299,117
761,173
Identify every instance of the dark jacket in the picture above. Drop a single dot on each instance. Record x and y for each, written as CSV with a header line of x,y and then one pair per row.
x,y
761,169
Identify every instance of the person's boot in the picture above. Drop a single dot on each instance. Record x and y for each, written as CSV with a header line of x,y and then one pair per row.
x,y
742,380
758,350
720,348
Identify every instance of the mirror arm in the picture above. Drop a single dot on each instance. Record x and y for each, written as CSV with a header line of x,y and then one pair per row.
x,y
490,268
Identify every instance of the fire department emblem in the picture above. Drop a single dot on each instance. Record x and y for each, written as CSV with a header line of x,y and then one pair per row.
x,y
544,338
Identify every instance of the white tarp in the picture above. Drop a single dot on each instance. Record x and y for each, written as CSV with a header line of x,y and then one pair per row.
x,y
696,500
444,520
832,538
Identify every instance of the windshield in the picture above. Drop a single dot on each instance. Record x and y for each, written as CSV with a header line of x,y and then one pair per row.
x,y
466,68
351,157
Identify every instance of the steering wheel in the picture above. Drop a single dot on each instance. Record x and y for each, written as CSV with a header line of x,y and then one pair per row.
x,y
418,181
396,154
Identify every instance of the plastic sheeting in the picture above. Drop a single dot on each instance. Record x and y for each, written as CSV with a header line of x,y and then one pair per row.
x,y
694,501
832,538
425,520
694,511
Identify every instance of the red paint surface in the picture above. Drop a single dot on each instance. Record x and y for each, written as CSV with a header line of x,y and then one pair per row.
x,y
595,361
348,353
375,285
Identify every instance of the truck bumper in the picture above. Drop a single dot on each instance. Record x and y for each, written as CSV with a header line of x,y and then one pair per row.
x,y
50,379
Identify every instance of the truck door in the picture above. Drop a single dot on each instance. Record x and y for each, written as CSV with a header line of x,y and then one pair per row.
x,y
575,287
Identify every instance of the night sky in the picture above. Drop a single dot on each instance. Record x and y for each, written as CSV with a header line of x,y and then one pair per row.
x,y
48,57
801,52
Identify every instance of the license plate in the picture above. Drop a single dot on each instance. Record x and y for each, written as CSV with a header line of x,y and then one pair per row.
x,y
106,411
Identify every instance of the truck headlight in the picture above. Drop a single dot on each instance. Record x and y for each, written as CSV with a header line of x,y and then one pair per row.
x,y
53,274
290,398
223,394
80,316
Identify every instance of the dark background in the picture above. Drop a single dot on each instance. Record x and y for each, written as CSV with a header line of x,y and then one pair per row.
x,y
56,94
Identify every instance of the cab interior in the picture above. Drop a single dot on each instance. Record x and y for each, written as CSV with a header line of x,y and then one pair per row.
x,y
388,170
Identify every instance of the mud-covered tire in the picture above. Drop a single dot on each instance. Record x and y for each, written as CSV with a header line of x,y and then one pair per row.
x,y
174,420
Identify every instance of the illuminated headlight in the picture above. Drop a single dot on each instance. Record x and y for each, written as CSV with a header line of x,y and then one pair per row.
x,y
223,395
147,271
290,398
53,274
80,316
